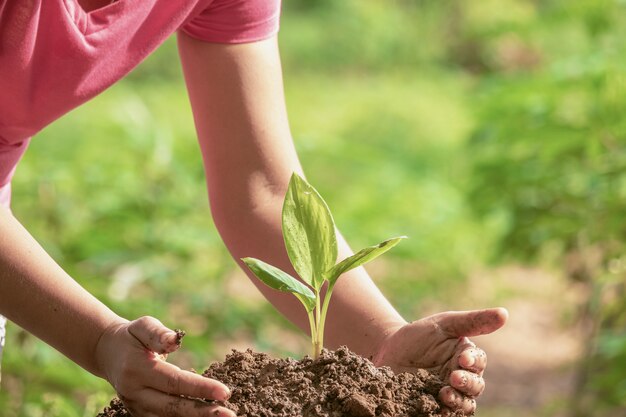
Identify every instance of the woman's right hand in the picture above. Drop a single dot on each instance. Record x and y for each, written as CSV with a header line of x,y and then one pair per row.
x,y
130,355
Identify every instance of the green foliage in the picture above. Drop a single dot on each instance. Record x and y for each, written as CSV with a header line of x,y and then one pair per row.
x,y
549,158
365,35
608,383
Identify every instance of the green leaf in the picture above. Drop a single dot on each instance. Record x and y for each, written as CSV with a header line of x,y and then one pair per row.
x,y
309,232
361,257
282,281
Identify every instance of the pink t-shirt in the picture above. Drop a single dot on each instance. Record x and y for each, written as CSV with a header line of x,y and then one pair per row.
x,y
54,56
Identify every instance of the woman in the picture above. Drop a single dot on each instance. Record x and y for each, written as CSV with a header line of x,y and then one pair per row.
x,y
57,54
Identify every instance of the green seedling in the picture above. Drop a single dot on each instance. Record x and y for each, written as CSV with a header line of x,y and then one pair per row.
x,y
311,242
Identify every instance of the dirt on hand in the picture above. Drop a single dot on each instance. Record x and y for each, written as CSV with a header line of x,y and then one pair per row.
x,y
337,384
179,336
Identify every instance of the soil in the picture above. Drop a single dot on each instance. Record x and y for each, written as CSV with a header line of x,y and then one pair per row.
x,y
179,336
337,384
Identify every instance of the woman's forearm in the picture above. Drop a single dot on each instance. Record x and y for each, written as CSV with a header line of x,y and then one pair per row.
x,y
39,296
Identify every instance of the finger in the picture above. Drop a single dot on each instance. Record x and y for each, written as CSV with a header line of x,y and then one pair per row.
x,y
472,323
134,411
467,383
170,379
456,401
473,359
153,403
154,335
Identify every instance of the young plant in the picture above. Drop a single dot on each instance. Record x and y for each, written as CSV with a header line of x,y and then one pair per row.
x,y
311,242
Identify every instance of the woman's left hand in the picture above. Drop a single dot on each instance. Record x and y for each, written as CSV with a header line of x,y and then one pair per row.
x,y
440,344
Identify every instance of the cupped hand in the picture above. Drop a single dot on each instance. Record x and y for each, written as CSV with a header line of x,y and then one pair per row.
x,y
440,344
131,356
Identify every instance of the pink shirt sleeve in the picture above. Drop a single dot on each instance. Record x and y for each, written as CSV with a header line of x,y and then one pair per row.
x,y
235,21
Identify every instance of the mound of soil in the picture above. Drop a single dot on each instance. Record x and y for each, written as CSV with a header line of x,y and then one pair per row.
x,y
337,384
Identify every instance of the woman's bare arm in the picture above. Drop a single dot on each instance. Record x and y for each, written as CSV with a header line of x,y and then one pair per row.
x,y
38,295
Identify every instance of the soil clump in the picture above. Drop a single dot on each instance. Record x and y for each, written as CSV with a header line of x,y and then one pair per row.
x,y
179,336
337,384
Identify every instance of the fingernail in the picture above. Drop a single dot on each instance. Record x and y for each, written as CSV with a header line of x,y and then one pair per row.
x,y
470,359
224,394
223,412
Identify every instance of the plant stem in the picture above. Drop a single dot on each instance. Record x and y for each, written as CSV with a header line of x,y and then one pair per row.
x,y
322,321
317,349
313,334
318,339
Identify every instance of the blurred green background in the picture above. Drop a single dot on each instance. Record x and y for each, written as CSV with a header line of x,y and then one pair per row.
x,y
490,132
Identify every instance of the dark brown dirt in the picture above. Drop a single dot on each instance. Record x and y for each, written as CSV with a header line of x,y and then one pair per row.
x,y
338,384
179,336
115,409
